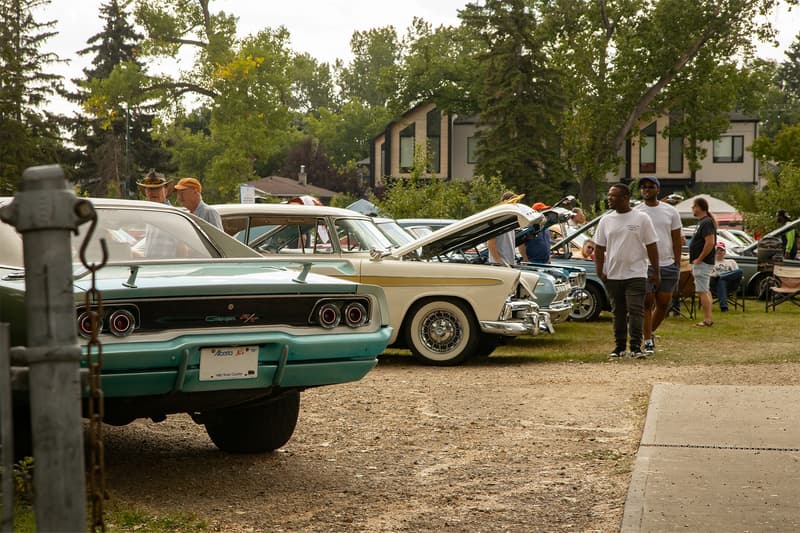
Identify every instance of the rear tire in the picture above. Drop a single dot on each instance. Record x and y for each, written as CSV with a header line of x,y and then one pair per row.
x,y
257,429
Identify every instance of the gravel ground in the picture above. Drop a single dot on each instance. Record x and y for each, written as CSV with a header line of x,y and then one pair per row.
x,y
490,446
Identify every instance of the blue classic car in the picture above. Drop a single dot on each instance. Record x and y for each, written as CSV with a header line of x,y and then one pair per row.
x,y
196,322
565,252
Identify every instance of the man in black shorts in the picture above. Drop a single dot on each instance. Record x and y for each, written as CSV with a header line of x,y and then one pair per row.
x,y
667,223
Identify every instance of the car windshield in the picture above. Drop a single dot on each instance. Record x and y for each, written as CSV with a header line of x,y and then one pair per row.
x,y
395,233
135,234
360,235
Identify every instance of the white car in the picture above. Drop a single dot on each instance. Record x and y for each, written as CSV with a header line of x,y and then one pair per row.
x,y
442,312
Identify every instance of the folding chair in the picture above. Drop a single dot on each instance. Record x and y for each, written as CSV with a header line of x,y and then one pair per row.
x,y
786,288
685,292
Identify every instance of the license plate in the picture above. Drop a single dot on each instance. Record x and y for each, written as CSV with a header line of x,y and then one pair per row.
x,y
228,362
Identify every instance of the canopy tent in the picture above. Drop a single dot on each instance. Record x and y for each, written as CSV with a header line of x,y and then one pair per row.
x,y
723,212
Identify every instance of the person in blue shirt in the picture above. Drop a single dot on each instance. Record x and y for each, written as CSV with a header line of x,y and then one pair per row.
x,y
190,196
537,249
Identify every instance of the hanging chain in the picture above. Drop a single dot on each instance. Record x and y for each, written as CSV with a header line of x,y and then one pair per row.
x,y
96,409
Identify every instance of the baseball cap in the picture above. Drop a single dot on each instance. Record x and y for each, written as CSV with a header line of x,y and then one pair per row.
x,y
540,206
720,245
651,179
189,183
305,200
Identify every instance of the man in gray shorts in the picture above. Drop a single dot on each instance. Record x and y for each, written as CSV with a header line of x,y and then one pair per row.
x,y
667,223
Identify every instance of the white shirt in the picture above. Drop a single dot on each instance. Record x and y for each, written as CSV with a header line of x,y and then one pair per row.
x,y
665,219
625,236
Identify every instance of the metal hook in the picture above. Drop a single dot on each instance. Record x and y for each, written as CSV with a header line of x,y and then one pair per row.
x,y
93,267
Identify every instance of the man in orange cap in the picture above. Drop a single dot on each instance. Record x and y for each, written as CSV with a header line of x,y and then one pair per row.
x,y
190,196
537,248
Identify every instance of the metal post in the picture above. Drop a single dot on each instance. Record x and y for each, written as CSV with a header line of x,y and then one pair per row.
x,y
43,211
6,428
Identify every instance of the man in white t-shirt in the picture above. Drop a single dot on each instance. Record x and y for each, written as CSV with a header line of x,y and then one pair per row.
x,y
667,223
624,242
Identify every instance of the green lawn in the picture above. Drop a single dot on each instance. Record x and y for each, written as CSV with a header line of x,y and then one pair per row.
x,y
754,336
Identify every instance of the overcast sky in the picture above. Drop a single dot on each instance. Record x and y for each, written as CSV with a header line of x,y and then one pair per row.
x,y
320,27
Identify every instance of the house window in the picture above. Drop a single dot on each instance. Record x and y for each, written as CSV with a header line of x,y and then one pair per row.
x,y
384,171
676,155
407,148
434,134
647,149
472,150
729,149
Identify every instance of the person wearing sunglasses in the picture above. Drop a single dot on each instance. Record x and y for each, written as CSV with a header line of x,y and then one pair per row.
x,y
587,250
625,242
667,223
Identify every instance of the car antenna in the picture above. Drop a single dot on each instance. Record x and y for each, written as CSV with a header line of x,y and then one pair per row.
x,y
301,278
131,282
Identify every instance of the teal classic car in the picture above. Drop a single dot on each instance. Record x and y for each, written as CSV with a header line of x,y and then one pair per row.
x,y
209,329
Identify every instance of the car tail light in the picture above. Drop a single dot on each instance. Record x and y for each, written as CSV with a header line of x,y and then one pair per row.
x,y
121,323
329,315
355,315
85,324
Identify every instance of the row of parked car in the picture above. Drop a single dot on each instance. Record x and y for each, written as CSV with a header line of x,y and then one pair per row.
x,y
231,328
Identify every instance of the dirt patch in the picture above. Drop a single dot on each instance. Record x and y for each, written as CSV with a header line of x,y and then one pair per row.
x,y
490,446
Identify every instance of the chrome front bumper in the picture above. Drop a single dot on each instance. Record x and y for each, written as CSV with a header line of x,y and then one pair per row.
x,y
519,317
559,311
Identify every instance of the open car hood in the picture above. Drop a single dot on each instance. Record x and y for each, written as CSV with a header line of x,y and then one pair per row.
x,y
552,216
472,230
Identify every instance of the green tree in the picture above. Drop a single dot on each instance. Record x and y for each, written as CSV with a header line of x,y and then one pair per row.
x,y
781,107
784,148
115,150
370,75
245,83
312,85
701,98
521,98
28,135
439,65
418,197
781,192
346,134
617,56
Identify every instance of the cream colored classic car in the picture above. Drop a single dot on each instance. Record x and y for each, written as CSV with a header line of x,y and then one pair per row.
x,y
442,312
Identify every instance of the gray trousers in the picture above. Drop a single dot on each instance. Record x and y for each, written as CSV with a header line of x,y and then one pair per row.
x,y
627,303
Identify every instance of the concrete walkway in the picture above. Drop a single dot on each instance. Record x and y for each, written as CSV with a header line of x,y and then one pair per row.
x,y
717,458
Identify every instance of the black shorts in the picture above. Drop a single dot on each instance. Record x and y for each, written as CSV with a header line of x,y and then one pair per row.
x,y
669,278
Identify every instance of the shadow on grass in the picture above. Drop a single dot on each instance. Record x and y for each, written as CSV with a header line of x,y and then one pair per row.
x,y
738,337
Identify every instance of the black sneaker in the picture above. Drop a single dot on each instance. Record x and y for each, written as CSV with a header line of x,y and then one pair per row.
x,y
637,353
618,353
649,347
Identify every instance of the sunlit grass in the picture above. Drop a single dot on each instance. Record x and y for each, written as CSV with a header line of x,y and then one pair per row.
x,y
119,518
737,337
